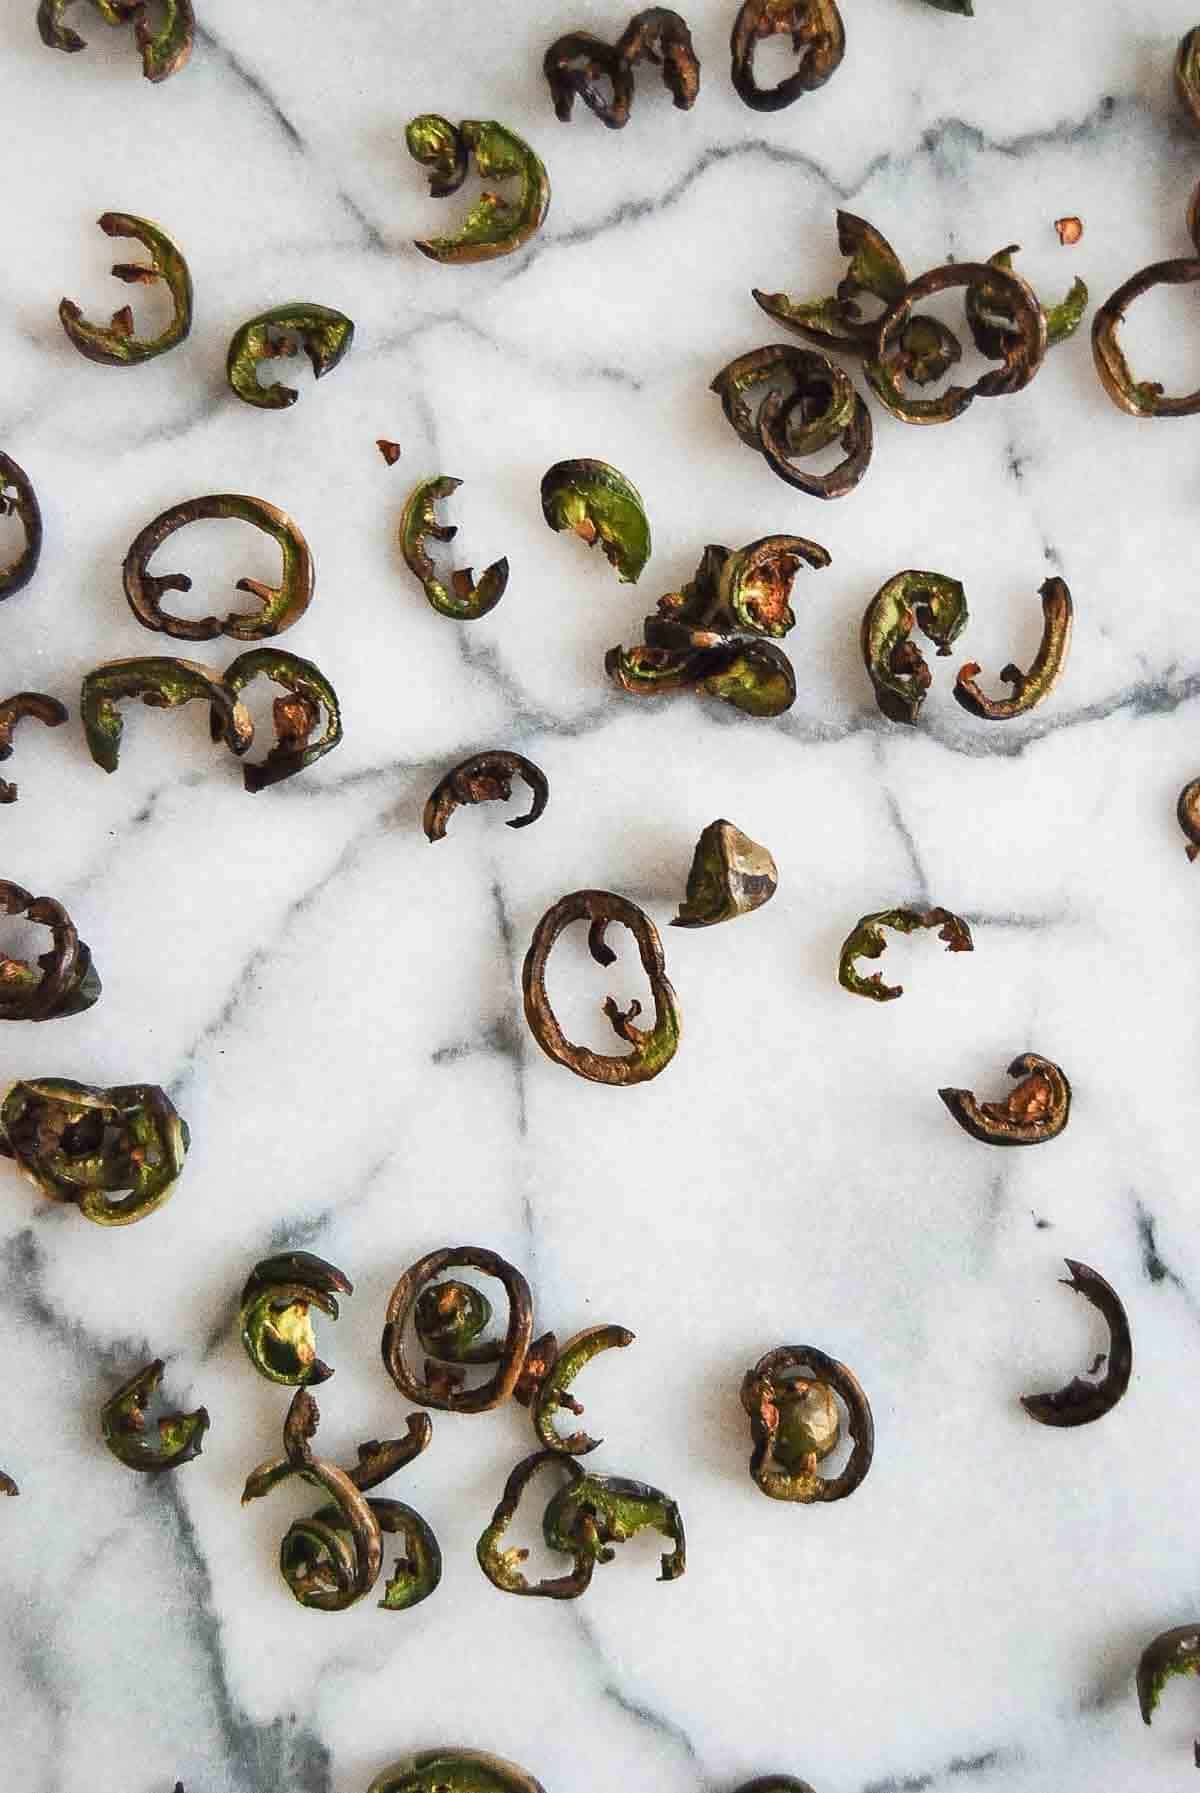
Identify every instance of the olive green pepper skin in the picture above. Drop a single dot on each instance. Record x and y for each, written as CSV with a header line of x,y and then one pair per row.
x,y
599,504
837,322
755,677
451,1318
1028,688
164,52
868,941
789,403
990,317
553,1385
484,778
964,8
454,1771
275,1317
731,875
1140,398
494,226
450,1325
1187,73
18,498
598,1511
162,684
279,606
1174,1652
1021,350
897,668
1036,1111
794,1423
83,1145
755,582
653,1047
464,601
123,1422
21,707
65,981
1081,1402
295,716
818,36
114,344
417,1573
320,333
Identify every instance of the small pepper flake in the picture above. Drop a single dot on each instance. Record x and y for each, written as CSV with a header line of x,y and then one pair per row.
x,y
1069,230
389,450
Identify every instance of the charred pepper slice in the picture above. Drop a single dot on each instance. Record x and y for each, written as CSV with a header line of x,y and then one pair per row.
x,y
18,498
87,1146
115,344
1028,688
296,716
494,226
897,668
465,601
275,1317
484,778
18,708
1174,1652
795,1422
1021,350
1080,1401
868,941
454,1771
280,606
818,38
123,1421
164,51
1140,398
162,684
317,331
459,1314
1037,1110
65,981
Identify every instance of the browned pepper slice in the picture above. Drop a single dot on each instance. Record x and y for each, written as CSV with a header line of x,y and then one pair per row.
x,y
67,984
484,778
280,606
442,1385
1022,349
818,38
575,66
1080,1402
1028,688
18,498
794,1423
1037,1110
1140,398
868,941
16,709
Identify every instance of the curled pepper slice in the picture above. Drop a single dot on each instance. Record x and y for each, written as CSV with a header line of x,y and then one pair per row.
x,y
1174,1652
1187,73
731,875
755,677
743,592
654,1047
1187,811
786,1783
275,1317
115,344
1037,1110
1080,1401
549,1389
484,778
494,226
867,941
990,315
320,333
454,1771
804,402
310,695
7,1485
964,8
333,1559
465,601
1141,398
454,1339
23,705
837,322
67,984
599,504
87,1146
280,606
18,498
1021,350
897,668
794,1423
123,1422
1028,688
576,64
164,52
818,38
162,684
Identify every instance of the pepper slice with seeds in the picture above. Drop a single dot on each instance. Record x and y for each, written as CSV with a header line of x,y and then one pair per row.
x,y
484,778
123,1422
296,716
795,1423
897,668
319,332
868,941
818,38
280,606
275,1316
116,1154
1036,1111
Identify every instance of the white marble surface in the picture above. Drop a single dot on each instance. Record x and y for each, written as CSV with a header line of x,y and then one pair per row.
x,y
334,1004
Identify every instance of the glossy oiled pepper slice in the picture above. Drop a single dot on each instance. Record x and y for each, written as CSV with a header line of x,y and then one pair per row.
x,y
161,684
454,1771
296,716
552,1385
818,38
868,941
837,322
115,1153
1187,73
897,668
653,1047
990,315
789,403
494,226
317,331
731,875
599,504
577,64
279,606
164,51
18,499
1140,398
464,601
484,778
1028,688
115,344
1081,1402
450,1320
276,1315
64,981
1037,1110
1021,350
795,1423
123,1421
1174,1652
23,706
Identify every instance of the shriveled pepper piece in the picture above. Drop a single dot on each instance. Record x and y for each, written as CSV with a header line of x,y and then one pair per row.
x,y
279,606
731,875
1028,688
296,716
324,335
795,1423
123,1421
484,778
18,499
454,1771
162,684
599,504
1081,1402
115,344
868,941
116,1154
465,601
22,706
818,38
1140,398
897,668
164,51
1022,350
494,226
1037,1110
65,981
1174,1652
275,1318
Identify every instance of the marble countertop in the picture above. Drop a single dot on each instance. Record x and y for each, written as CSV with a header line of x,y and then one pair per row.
x,y
334,1005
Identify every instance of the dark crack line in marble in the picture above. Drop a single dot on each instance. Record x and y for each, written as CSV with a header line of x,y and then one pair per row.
x,y
505,1031
958,1767
896,817
668,1730
1154,1266
22,1287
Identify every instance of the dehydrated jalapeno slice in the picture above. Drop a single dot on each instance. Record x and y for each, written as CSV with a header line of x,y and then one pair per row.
x,y
319,332
1174,1652
275,1316
1187,811
296,716
731,875
653,1047
25,705
123,1422
162,684
494,226
897,668
466,600
1080,1401
837,322
1022,350
115,1153
164,50
1028,688
454,1771
578,63
818,38
457,1323
1037,1110
64,981
484,778
790,403
115,344
280,606
1141,398
795,1422
1187,73
599,504
548,1390
18,499
868,941
990,313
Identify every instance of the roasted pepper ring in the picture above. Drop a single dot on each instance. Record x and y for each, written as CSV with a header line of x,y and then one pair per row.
x,y
68,984
1037,1110
18,498
123,1423
1023,351
25,706
324,335
83,1145
115,344
764,1396
441,1388
1140,398
494,226
280,606
310,696
818,37
454,1771
161,683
